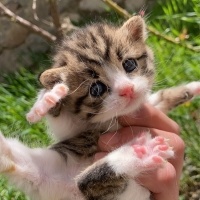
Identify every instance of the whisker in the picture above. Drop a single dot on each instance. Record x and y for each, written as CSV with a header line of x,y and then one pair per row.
x,y
78,87
109,126
116,121
129,126
96,113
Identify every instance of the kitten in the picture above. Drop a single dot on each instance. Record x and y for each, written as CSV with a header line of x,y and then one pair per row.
x,y
99,73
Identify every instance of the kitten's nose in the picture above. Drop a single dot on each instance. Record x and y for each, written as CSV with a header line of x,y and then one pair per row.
x,y
127,91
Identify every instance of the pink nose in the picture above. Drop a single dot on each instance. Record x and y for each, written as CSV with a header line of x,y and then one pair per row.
x,y
127,91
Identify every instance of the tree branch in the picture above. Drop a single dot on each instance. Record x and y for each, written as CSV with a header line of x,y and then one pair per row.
x,y
122,12
56,18
15,18
34,7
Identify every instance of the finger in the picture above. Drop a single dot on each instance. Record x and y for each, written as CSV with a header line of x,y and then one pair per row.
x,y
100,155
164,185
178,146
149,116
113,140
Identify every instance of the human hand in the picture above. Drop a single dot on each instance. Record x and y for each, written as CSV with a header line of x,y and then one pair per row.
x,y
164,182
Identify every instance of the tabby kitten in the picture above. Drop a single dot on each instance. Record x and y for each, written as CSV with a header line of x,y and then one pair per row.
x,y
99,73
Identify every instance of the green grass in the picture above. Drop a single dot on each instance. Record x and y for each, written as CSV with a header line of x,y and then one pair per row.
x,y
175,65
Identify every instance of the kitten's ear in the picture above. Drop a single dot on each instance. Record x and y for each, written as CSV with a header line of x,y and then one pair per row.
x,y
49,77
135,28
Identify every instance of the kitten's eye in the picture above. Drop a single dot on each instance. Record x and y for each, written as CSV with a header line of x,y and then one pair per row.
x,y
129,65
97,89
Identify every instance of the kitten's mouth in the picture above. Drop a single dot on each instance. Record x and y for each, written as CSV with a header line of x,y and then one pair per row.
x,y
134,100
130,102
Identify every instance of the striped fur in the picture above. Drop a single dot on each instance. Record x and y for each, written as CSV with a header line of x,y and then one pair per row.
x,y
88,55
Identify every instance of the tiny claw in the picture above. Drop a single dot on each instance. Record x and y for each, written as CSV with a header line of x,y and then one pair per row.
x,y
160,139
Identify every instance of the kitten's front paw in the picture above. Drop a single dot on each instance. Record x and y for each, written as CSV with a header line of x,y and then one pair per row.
x,y
6,163
194,88
48,101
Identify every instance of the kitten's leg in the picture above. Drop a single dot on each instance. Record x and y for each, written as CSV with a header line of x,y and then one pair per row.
x,y
169,98
46,101
40,173
112,176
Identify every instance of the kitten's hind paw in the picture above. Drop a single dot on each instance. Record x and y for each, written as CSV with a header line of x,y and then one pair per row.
x,y
153,153
143,154
6,164
48,101
194,87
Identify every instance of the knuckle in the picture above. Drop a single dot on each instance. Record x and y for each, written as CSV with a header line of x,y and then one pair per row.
x,y
179,146
176,128
170,175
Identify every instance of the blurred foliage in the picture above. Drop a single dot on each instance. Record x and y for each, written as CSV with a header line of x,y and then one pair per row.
x,y
177,18
175,65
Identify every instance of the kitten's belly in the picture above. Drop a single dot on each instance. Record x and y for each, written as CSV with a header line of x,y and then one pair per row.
x,y
134,191
73,170
62,185
64,126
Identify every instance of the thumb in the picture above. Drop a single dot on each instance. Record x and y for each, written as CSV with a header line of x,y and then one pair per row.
x,y
149,116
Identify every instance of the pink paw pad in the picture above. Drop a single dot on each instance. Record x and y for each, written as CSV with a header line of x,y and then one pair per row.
x,y
51,99
46,102
140,151
40,111
161,150
32,117
163,147
61,90
152,153
154,162
157,159
159,140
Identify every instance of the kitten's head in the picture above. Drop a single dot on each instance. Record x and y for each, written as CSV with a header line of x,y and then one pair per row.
x,y
109,70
